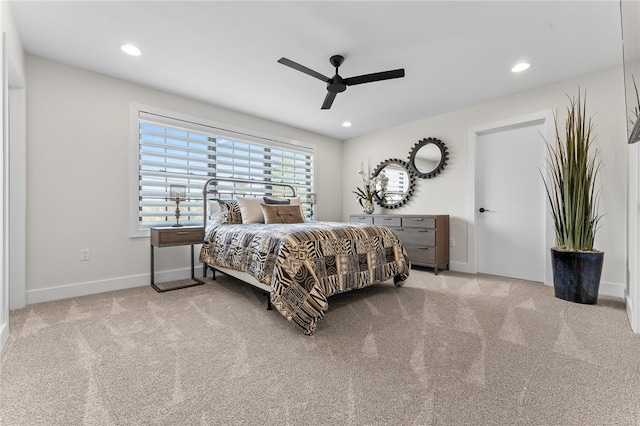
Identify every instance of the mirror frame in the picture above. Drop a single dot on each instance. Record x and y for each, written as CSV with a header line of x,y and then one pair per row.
x,y
444,157
409,192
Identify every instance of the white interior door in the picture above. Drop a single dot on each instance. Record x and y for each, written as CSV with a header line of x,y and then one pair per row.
x,y
509,188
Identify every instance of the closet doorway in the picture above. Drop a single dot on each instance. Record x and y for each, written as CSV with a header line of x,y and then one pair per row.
x,y
510,206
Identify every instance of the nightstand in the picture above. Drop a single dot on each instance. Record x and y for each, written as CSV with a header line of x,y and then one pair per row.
x,y
176,236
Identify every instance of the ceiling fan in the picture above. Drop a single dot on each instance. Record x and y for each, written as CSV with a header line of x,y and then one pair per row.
x,y
337,84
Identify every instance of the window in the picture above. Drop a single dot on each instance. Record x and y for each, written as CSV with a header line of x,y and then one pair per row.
x,y
183,151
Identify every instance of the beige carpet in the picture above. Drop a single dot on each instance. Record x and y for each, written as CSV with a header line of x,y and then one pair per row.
x,y
450,349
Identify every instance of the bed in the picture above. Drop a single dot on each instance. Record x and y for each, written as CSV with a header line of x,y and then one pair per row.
x,y
256,232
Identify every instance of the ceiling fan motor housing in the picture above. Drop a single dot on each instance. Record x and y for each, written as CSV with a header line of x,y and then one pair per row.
x,y
336,84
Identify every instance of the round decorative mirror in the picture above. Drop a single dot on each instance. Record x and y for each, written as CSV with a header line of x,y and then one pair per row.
x,y
428,157
394,183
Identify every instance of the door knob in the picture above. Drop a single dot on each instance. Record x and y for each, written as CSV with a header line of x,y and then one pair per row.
x,y
482,210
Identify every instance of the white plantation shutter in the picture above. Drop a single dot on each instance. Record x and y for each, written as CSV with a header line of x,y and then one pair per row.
x,y
175,151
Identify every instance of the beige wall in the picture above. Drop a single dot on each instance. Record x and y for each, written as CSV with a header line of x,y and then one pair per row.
x,y
78,143
78,148
447,193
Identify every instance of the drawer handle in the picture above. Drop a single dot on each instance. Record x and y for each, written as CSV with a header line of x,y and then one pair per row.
x,y
418,219
423,230
183,233
423,248
387,218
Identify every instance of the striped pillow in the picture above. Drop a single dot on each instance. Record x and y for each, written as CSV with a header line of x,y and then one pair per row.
x,y
231,211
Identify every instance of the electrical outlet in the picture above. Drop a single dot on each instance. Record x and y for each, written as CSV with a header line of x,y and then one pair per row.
x,y
452,242
84,254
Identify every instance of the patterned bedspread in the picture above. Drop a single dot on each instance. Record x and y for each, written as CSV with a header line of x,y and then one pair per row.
x,y
305,263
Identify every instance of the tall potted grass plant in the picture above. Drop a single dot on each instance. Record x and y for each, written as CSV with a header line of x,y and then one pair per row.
x,y
573,165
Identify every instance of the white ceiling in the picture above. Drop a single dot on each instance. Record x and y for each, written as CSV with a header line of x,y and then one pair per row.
x,y
454,53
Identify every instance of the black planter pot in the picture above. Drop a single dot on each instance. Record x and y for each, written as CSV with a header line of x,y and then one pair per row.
x,y
576,275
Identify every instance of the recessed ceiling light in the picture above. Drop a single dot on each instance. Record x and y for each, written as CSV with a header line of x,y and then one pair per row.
x,y
520,67
130,49
346,124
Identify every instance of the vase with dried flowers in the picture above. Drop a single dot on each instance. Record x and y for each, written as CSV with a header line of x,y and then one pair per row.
x,y
372,186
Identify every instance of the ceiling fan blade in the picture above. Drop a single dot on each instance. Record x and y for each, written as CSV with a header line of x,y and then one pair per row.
x,y
302,68
376,76
328,100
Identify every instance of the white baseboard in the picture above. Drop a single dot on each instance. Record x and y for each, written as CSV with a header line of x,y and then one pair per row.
x,y
460,267
610,289
606,289
629,304
95,287
4,334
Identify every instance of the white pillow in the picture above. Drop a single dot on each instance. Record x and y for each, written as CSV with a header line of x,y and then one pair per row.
x,y
215,213
213,207
250,209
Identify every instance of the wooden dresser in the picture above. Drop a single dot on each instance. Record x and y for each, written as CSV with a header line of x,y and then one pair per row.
x,y
424,237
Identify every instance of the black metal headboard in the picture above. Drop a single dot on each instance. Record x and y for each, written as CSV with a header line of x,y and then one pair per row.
x,y
256,187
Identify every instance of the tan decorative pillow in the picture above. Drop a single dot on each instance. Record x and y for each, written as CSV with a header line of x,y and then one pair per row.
x,y
281,213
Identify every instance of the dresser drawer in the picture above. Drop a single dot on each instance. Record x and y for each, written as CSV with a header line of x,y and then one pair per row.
x,y
418,222
176,236
387,221
421,254
361,219
416,236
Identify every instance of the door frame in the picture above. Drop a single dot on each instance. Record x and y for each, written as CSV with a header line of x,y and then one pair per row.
x,y
14,188
546,118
